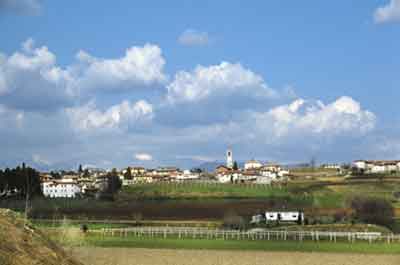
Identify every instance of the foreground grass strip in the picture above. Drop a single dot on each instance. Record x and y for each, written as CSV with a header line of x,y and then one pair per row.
x,y
339,247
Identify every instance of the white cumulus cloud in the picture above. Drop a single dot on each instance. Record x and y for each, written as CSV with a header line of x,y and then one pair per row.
x,y
124,116
31,80
341,116
191,37
388,13
216,80
141,66
143,157
301,119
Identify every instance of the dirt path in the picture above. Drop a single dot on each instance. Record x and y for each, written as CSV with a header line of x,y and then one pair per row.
x,y
136,256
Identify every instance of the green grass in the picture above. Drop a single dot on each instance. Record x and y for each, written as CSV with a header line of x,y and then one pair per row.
x,y
219,244
91,226
296,195
378,189
324,193
338,228
199,191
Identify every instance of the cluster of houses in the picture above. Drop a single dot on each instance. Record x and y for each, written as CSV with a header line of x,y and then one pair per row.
x,y
137,175
252,172
72,185
91,180
376,166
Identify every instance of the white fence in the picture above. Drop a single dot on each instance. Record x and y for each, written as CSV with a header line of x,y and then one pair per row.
x,y
205,233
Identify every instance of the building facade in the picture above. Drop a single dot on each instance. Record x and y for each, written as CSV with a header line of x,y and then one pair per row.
x,y
64,188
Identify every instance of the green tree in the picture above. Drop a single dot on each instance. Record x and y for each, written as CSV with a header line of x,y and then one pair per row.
x,y
86,173
114,183
128,173
24,179
235,166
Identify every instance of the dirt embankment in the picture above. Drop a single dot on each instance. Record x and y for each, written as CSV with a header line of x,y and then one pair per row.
x,y
21,244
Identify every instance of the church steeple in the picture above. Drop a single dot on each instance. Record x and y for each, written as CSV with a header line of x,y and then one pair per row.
x,y
229,158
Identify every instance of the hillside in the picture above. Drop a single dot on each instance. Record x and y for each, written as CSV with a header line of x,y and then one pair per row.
x,y
21,244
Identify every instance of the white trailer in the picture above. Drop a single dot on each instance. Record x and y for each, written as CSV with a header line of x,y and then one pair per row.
x,y
284,216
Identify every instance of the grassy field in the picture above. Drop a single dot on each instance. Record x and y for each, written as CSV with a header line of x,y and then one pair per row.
x,y
201,191
68,224
219,244
128,256
338,228
319,194
171,201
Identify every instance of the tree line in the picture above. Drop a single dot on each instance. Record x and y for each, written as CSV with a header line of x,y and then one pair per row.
x,y
21,180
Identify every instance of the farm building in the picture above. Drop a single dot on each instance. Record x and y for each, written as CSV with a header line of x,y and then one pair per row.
x,y
278,216
284,216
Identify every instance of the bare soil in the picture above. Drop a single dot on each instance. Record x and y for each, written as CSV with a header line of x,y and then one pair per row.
x,y
137,256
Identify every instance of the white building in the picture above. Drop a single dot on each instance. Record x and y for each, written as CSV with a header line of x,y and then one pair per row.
x,y
248,176
229,177
271,167
331,166
186,175
263,180
377,166
64,188
135,171
283,173
268,174
360,164
284,216
252,164
229,158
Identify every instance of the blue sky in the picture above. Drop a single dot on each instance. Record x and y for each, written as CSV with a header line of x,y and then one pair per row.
x,y
154,83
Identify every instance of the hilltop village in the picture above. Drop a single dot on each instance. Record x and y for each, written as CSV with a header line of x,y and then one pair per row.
x,y
70,184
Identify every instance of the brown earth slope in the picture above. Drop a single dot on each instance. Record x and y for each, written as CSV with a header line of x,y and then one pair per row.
x,y
21,244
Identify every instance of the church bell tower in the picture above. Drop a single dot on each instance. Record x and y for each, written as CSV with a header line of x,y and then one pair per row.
x,y
229,158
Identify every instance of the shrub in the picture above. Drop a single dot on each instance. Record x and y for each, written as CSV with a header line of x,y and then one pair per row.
x,y
326,220
396,195
84,228
339,216
233,221
373,210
